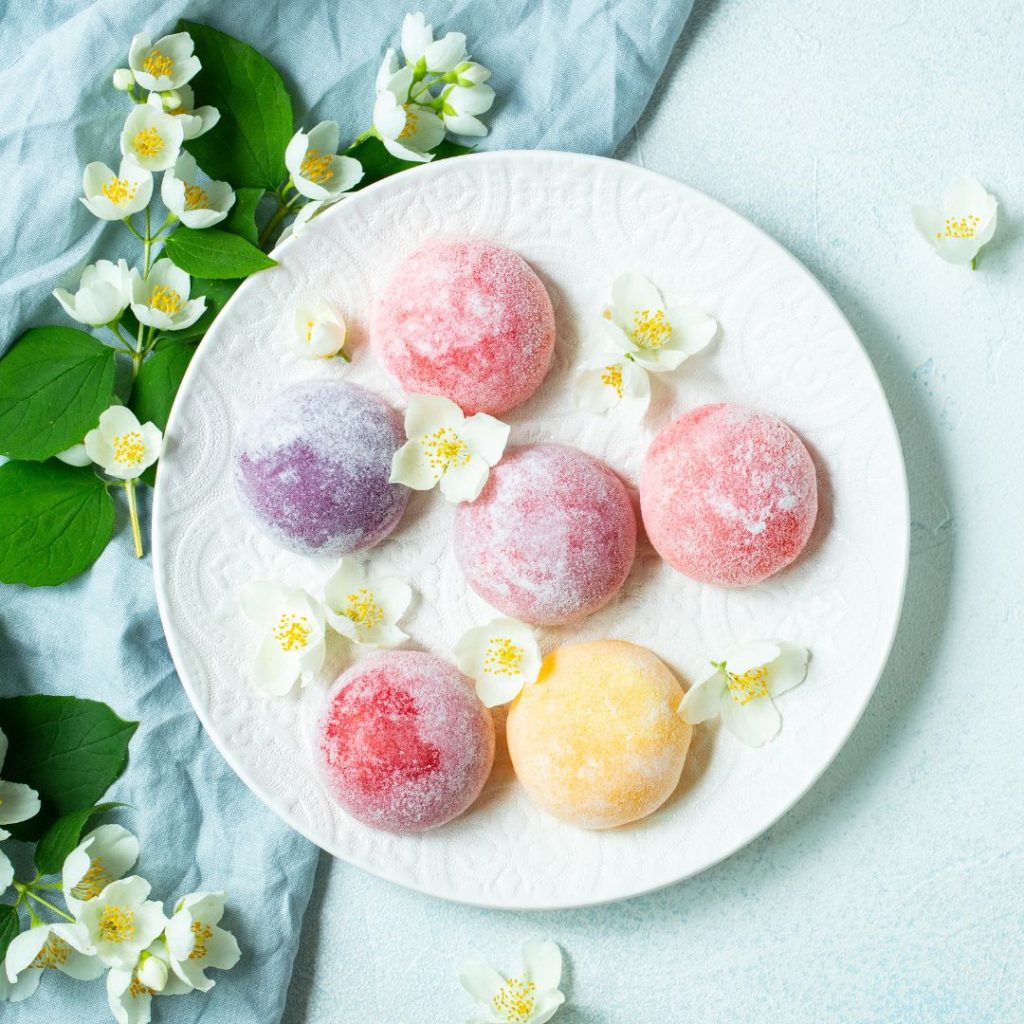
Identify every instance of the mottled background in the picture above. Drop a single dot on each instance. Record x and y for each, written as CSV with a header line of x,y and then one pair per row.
x,y
892,892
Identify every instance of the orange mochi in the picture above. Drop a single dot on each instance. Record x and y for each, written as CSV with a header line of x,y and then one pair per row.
x,y
596,740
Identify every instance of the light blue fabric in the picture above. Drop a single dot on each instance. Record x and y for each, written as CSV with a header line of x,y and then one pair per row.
x,y
570,74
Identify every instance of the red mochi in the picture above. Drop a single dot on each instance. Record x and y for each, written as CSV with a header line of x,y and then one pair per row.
x,y
729,495
469,320
406,743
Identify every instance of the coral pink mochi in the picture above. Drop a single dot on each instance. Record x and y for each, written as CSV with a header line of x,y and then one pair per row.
x,y
468,320
551,538
406,743
729,495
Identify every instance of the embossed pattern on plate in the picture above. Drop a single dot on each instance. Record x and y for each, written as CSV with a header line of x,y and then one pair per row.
x,y
784,346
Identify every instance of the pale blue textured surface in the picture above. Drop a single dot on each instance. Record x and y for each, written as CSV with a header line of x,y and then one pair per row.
x,y
892,892
568,75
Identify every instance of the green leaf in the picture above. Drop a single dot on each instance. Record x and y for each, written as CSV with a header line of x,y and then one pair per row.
x,y
378,163
215,254
54,521
157,383
54,383
63,835
242,218
9,927
216,294
69,750
247,145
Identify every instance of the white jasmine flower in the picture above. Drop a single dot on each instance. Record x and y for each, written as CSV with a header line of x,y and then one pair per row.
x,y
103,856
468,73
130,990
111,196
168,63
61,947
610,377
121,922
192,197
962,225
169,101
317,170
502,657
6,867
460,106
123,80
743,687
657,338
319,330
18,802
306,213
195,121
365,607
121,446
408,130
445,446
104,291
151,138
293,636
532,998
76,455
426,54
196,942
162,299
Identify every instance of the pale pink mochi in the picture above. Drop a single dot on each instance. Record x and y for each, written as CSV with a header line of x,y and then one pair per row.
x,y
469,320
728,494
406,744
551,538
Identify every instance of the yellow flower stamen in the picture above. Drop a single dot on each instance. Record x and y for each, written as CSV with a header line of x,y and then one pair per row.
x,y
292,632
136,989
53,954
750,685
309,332
196,198
515,1000
95,880
650,330
165,299
117,924
148,142
128,449
316,167
962,228
363,609
503,657
411,122
203,933
612,377
120,191
445,450
157,64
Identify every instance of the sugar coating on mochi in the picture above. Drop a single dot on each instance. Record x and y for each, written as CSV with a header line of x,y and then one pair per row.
x,y
406,744
469,320
551,537
729,495
312,468
596,740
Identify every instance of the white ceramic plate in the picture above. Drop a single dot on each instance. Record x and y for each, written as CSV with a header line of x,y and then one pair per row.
x,y
783,346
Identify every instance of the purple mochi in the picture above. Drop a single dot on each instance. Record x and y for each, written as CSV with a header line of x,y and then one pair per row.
x,y
312,468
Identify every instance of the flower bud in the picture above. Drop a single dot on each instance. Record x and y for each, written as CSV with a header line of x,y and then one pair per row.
x,y
124,80
152,972
170,100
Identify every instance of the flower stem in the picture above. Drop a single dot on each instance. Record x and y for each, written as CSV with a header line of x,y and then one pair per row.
x,y
282,211
27,890
146,243
974,263
133,515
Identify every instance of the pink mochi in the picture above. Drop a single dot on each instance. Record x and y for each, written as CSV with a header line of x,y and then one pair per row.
x,y
729,495
551,538
406,744
469,320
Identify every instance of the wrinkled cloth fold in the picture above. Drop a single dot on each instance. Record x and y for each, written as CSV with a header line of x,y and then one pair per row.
x,y
569,74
